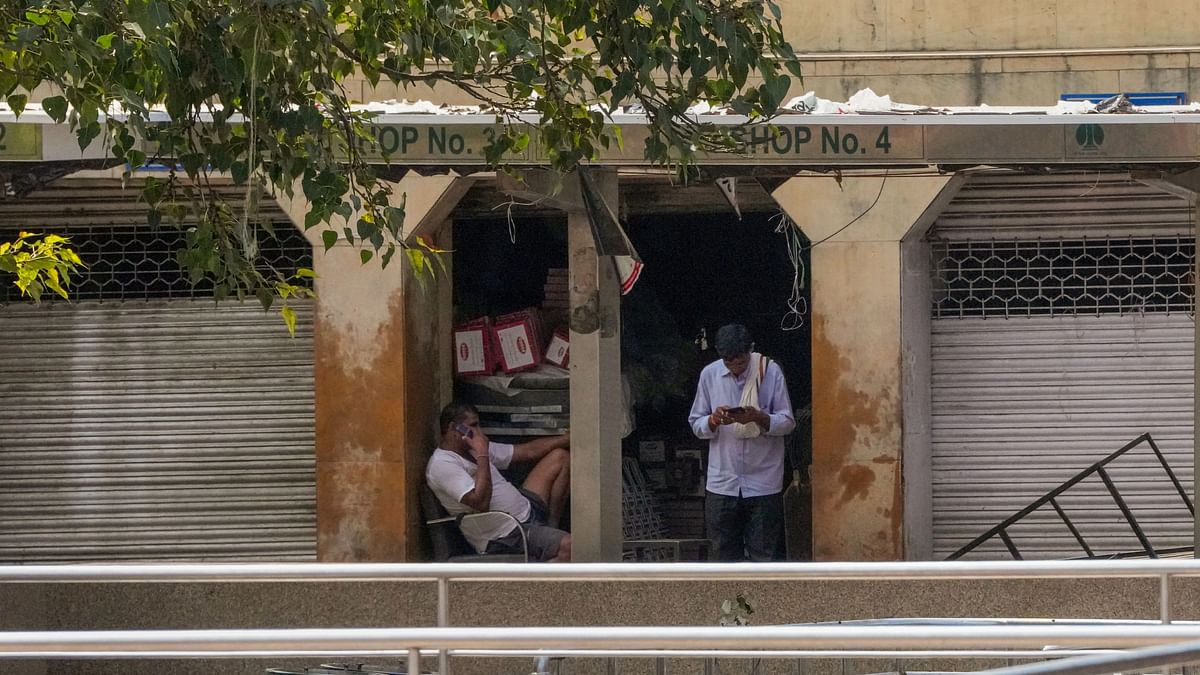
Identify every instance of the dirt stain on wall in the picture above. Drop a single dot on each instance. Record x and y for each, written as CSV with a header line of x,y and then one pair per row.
x,y
846,418
360,415
856,481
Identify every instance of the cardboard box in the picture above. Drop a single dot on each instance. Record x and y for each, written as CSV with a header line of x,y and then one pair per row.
x,y
531,316
652,452
473,354
687,473
559,351
518,344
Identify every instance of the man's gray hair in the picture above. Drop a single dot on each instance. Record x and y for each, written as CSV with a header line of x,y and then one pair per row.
x,y
733,340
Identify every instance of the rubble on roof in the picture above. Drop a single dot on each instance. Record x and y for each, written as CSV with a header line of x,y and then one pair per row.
x,y
863,102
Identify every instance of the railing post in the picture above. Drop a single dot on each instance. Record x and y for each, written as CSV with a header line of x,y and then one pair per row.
x,y
1164,598
414,661
443,620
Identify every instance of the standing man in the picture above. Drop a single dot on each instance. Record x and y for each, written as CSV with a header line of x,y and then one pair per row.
x,y
742,407
463,473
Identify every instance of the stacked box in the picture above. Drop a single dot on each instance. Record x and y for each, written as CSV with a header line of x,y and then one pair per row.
x,y
557,289
473,349
652,456
558,352
518,340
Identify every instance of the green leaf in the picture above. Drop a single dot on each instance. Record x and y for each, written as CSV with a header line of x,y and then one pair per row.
x,y
51,281
134,28
87,133
366,255
17,103
416,257
289,318
265,297
56,108
329,237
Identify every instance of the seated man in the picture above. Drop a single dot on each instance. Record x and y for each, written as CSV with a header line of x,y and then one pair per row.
x,y
538,504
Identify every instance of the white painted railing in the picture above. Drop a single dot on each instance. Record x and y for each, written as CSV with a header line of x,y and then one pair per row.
x,y
1012,640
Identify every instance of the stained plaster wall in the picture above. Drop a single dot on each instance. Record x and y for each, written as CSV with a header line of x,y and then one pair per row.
x,y
857,371
381,375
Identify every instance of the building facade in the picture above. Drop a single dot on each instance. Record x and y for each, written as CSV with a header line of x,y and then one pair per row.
x,y
916,426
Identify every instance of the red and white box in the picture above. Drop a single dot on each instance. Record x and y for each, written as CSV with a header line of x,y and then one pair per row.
x,y
530,315
559,350
517,341
473,349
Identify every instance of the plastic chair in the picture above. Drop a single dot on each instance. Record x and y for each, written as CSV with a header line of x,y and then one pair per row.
x,y
449,544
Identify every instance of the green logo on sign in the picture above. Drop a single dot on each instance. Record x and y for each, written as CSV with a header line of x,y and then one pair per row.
x,y
1089,136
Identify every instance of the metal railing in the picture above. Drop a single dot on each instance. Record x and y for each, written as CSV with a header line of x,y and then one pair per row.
x,y
1010,640
1051,498
1104,664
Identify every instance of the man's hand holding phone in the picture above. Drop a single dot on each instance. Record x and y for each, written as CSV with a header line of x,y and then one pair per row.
x,y
476,440
748,415
720,417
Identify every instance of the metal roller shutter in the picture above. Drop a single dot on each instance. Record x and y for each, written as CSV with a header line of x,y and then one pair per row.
x,y
1061,331
143,421
172,430
1021,405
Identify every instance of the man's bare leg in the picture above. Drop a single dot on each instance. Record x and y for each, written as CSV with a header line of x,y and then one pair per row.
x,y
550,479
564,551
560,489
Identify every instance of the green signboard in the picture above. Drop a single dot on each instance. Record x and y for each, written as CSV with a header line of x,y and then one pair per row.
x,y
778,144
426,140
20,142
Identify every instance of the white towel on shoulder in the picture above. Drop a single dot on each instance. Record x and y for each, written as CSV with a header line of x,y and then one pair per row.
x,y
755,371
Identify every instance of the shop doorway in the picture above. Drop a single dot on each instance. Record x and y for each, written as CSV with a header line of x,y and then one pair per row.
x,y
703,268
703,271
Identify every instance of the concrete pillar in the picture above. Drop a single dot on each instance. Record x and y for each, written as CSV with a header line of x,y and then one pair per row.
x,y
858,353
596,420
381,374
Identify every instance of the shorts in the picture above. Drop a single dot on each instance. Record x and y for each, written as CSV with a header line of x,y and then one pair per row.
x,y
543,541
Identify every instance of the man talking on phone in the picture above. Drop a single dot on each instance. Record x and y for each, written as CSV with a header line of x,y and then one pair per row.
x,y
454,476
743,409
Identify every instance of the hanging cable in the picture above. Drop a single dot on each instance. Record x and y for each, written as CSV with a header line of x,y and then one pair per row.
x,y
797,304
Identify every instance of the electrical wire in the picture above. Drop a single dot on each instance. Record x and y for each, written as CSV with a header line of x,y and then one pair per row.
x,y
797,304
857,218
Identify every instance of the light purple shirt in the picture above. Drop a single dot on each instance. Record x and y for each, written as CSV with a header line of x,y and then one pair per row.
x,y
751,467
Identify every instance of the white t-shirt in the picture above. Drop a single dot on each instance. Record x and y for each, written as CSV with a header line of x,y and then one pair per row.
x,y
450,476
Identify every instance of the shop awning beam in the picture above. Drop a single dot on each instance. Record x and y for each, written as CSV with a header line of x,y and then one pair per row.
x,y
1185,185
790,141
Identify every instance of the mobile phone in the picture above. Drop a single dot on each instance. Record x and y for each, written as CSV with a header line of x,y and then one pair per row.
x,y
464,430
736,411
